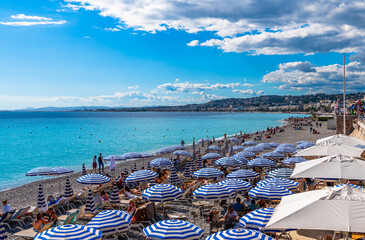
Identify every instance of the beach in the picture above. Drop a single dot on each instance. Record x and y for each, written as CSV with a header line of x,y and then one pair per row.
x,y
26,195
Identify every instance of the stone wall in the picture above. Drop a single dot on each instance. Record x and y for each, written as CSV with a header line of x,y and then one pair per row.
x,y
359,131
350,120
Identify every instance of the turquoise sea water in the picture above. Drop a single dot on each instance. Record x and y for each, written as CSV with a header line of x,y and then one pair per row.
x,y
34,139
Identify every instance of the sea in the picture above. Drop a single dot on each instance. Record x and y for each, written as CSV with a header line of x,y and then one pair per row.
x,y
34,139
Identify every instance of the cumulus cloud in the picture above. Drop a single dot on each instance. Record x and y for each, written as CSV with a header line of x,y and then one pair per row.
x,y
254,27
312,79
248,92
193,87
31,21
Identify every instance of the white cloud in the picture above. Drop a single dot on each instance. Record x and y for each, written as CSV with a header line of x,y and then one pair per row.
x,y
255,27
304,76
32,21
25,17
133,87
189,87
248,91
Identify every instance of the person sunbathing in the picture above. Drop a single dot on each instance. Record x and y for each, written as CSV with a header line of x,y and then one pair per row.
x,y
38,222
131,208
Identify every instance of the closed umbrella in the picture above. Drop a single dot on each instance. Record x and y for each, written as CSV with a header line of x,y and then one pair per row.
x,y
141,176
199,163
243,174
69,232
174,179
187,172
162,163
90,204
193,165
173,230
237,185
134,167
239,234
269,192
41,202
3,235
83,169
229,162
114,196
68,189
213,192
112,164
288,184
207,173
111,222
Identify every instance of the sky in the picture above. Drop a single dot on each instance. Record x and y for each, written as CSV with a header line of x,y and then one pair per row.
x,y
171,52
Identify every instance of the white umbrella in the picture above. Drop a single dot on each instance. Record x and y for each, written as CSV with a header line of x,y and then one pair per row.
x,y
333,209
344,139
112,164
330,148
331,167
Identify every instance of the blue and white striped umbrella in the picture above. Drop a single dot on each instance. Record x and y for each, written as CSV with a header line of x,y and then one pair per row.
x,y
249,143
84,169
114,196
213,192
239,234
174,179
193,165
212,156
257,219
162,193
265,146
165,150
254,149
241,159
141,176
93,179
238,148
131,155
215,148
42,171
287,145
244,154
235,140
63,170
116,158
125,175
294,160
349,184
68,189
177,147
305,145
134,167
173,230
229,162
243,174
285,149
111,222
3,235
203,140
207,173
280,172
70,232
187,172
41,202
146,155
149,166
237,185
359,146
162,163
283,182
90,204
260,162
183,153
300,142
272,155
269,191
274,144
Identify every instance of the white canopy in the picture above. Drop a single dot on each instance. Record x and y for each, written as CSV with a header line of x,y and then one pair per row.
x,y
331,167
344,139
329,148
335,209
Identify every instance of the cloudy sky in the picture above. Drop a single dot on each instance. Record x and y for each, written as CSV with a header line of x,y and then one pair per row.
x,y
167,52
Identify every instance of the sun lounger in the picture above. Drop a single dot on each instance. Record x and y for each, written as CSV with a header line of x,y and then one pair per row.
x,y
18,216
30,233
60,205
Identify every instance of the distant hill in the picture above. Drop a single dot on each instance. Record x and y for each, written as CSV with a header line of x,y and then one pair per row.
x,y
63,109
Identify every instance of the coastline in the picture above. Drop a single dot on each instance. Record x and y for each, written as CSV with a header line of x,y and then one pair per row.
x,y
26,195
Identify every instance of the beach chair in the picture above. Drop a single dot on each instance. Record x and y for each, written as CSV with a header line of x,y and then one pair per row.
x,y
6,218
151,212
69,218
81,197
19,216
140,216
30,233
60,205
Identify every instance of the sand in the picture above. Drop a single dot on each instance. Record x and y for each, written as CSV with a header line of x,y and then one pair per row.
x,y
26,195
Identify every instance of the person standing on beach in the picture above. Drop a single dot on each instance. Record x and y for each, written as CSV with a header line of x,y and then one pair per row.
x,y
101,163
95,165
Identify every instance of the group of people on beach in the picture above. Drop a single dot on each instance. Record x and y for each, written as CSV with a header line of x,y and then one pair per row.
x,y
98,160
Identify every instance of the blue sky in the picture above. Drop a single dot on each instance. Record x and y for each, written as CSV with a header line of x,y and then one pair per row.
x,y
140,53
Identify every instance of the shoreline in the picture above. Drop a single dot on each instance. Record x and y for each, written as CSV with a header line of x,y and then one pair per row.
x,y
26,195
